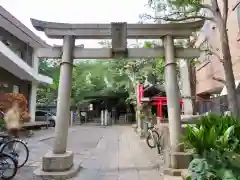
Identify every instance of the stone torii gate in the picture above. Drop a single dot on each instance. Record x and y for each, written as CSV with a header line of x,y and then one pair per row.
x,y
58,164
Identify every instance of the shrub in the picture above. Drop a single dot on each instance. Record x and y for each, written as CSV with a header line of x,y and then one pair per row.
x,y
6,100
215,141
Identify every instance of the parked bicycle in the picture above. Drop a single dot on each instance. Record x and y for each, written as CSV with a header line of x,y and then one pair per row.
x,y
14,147
153,137
8,166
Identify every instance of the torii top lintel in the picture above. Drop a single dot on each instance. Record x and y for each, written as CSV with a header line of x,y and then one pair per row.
x,y
103,31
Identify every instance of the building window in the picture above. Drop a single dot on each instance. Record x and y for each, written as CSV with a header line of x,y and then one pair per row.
x,y
4,87
11,46
238,19
238,16
15,89
205,53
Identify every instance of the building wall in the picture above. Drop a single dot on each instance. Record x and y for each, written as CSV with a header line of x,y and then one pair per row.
x,y
210,65
8,80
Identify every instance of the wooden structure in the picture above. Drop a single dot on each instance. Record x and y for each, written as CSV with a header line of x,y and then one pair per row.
x,y
34,125
114,104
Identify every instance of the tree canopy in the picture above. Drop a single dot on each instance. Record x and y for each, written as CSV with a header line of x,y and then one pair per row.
x,y
102,77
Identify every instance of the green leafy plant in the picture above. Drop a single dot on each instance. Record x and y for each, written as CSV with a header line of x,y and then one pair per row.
x,y
213,132
215,142
200,170
215,166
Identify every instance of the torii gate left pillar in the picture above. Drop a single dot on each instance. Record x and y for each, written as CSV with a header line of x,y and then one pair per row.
x,y
58,163
63,103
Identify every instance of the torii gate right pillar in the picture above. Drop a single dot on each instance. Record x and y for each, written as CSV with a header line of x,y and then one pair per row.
x,y
173,96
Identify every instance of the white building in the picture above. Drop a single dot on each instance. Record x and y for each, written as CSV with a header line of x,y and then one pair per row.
x,y
18,66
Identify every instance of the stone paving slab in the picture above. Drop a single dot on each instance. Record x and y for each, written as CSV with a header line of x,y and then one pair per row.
x,y
111,153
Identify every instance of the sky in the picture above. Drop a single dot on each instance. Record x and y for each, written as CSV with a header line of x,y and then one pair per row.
x,y
76,11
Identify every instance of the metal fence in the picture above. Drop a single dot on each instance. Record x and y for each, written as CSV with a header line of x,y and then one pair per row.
x,y
217,105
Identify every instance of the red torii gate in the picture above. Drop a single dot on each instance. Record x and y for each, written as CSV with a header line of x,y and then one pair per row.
x,y
157,101
160,101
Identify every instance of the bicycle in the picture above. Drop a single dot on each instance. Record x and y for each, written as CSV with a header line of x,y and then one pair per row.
x,y
7,163
153,137
7,145
12,147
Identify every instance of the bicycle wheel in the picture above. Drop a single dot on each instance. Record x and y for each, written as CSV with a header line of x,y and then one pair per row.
x,y
152,139
18,150
8,167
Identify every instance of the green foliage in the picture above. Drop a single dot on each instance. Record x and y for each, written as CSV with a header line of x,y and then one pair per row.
x,y
105,77
200,170
135,71
178,10
215,139
47,94
2,124
215,166
96,79
213,132
90,78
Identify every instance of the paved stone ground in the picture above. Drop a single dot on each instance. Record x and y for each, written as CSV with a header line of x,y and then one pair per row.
x,y
111,153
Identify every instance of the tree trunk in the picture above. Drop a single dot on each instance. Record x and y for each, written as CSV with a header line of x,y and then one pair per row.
x,y
229,76
192,72
192,76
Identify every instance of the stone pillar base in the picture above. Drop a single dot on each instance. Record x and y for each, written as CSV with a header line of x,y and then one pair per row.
x,y
134,126
183,160
57,167
140,132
